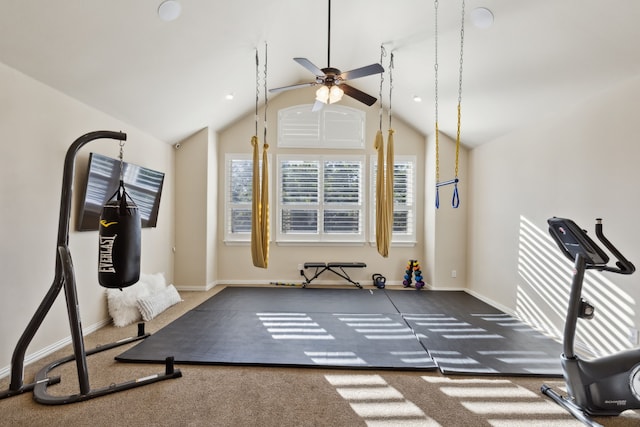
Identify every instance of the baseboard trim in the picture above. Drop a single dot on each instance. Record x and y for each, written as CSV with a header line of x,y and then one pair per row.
x,y
492,303
39,354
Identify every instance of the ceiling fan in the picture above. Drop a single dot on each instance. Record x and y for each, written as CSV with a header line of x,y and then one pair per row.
x,y
333,80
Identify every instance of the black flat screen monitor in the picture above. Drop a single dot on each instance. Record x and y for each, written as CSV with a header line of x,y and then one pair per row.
x,y
103,177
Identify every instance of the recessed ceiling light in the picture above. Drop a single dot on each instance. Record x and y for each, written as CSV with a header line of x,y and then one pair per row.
x,y
482,17
229,96
416,98
169,10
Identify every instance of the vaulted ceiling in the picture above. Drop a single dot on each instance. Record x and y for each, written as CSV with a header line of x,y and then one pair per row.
x,y
169,79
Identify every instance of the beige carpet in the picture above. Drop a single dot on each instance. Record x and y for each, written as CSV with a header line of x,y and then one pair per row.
x,y
256,396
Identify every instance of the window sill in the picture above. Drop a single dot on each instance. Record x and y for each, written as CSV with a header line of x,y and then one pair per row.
x,y
398,244
316,243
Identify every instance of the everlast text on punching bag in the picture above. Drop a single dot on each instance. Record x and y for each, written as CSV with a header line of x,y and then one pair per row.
x,y
119,241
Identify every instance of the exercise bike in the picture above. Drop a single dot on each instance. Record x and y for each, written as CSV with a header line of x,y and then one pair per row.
x,y
604,386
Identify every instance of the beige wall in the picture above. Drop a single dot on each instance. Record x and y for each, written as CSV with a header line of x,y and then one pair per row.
x,y
37,125
196,211
234,261
446,227
581,165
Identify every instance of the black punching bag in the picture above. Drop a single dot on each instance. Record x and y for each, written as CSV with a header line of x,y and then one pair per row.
x,y
119,242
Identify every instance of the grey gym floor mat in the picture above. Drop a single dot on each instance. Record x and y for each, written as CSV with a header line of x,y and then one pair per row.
x,y
315,300
467,336
352,328
289,327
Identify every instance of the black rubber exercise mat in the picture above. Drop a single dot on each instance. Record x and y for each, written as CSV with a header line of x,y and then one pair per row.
x,y
339,328
315,300
352,328
467,336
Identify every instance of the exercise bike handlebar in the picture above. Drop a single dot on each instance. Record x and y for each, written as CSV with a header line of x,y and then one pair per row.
x,y
623,266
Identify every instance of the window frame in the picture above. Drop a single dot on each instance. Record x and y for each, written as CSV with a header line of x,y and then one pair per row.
x,y
239,237
397,239
320,236
334,126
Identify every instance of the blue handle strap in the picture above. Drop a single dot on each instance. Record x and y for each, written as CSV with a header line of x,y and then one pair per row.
x,y
455,200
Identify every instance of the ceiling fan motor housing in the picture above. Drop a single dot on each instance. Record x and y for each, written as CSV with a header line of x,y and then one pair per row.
x,y
331,76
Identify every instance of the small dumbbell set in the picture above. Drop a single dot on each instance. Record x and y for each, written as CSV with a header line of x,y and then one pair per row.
x,y
413,272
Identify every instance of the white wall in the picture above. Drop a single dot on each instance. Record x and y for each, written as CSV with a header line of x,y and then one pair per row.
x,y
581,165
37,125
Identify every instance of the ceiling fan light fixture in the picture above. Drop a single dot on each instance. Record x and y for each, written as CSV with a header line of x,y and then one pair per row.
x,y
322,94
335,94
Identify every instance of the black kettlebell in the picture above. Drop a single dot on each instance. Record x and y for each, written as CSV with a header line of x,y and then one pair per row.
x,y
378,280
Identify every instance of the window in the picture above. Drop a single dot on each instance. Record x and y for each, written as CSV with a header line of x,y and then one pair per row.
x,y
320,198
404,230
238,188
335,126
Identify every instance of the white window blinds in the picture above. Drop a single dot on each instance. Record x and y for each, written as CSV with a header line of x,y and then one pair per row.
x,y
320,198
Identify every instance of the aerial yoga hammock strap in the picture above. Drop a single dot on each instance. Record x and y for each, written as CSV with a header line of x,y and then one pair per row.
x,y
384,176
455,200
260,187
389,177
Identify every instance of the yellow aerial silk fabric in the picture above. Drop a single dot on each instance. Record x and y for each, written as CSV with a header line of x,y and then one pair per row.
x,y
264,212
382,241
260,208
389,186
384,193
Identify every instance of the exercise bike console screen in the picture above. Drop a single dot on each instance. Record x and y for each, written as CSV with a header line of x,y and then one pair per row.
x,y
572,241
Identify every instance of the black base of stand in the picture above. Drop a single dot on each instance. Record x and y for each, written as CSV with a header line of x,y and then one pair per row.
x,y
40,394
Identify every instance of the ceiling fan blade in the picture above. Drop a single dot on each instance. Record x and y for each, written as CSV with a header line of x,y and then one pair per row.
x,y
358,94
298,86
362,72
317,106
309,66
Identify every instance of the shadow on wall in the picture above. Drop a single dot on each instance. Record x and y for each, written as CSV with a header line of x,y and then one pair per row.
x,y
543,295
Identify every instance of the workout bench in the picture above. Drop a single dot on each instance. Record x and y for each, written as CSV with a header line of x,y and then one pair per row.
x,y
334,267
